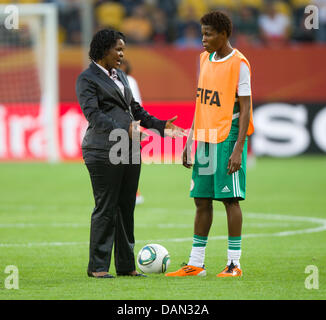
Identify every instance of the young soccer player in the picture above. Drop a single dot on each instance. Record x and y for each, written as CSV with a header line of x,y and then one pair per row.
x,y
222,122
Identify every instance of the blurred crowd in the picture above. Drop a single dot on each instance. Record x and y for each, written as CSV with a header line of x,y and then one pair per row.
x,y
157,22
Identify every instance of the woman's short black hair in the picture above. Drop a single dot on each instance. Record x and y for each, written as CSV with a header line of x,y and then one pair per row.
x,y
219,21
103,41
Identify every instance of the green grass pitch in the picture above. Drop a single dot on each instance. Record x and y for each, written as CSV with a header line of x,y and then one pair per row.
x,y
44,231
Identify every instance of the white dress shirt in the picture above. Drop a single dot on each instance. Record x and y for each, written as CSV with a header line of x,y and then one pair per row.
x,y
114,77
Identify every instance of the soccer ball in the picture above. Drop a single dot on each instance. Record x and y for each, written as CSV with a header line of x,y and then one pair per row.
x,y
153,258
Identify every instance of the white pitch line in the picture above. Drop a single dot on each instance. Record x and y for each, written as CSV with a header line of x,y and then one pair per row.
x,y
38,225
42,244
320,228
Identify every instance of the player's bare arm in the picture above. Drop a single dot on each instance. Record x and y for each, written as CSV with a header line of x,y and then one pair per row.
x,y
186,154
244,118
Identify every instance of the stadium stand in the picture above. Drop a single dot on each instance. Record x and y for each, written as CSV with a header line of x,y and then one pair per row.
x,y
155,22
110,14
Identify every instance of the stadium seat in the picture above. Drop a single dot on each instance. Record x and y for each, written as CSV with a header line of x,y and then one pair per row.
x,y
300,3
110,14
62,35
283,8
256,4
137,29
229,4
199,8
29,1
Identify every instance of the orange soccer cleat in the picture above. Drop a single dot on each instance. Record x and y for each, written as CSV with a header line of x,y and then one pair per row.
x,y
187,271
230,271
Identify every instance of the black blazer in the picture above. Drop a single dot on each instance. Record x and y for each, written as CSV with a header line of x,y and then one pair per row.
x,y
106,109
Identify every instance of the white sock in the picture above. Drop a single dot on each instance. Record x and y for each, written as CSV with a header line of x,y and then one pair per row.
x,y
234,256
197,257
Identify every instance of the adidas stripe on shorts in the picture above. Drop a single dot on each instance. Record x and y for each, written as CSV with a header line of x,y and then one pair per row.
x,y
209,175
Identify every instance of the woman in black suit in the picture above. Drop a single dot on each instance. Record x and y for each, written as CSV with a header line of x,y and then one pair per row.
x,y
106,100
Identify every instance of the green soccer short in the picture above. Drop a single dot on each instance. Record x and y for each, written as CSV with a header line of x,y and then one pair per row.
x,y
210,177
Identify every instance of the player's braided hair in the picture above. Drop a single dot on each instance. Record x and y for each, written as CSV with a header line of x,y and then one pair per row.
x,y
219,21
103,41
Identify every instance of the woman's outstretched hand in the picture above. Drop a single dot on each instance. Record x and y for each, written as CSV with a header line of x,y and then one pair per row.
x,y
173,131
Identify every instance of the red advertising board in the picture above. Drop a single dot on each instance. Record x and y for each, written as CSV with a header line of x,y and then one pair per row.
x,y
22,132
23,129
281,130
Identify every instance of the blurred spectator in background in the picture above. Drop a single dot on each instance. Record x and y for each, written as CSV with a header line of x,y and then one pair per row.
x,y
137,27
273,25
160,26
170,7
109,14
69,20
227,6
246,27
255,5
190,38
188,14
130,4
321,32
191,9
159,22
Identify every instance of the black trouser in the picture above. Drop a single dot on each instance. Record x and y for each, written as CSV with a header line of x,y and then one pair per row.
x,y
112,222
